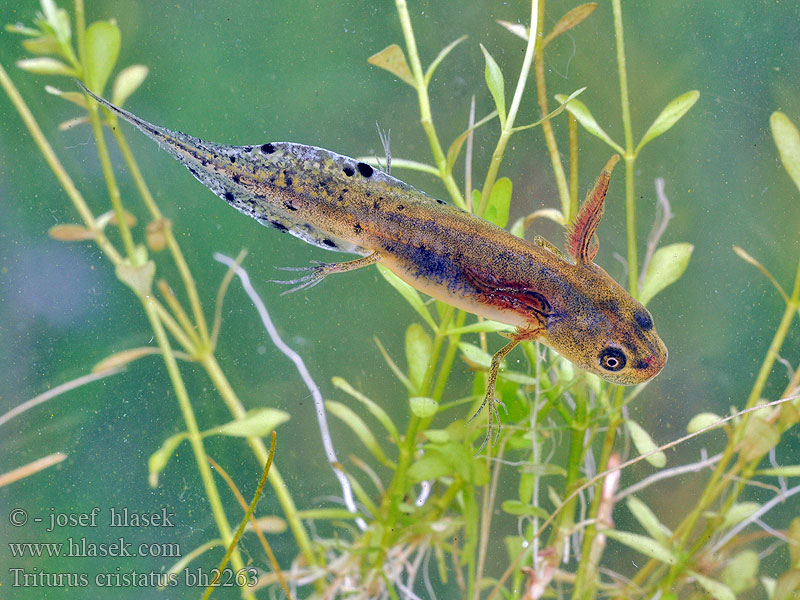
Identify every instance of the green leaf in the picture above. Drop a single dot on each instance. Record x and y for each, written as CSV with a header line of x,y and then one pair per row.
x,y
393,366
787,139
103,40
258,422
760,438
516,28
787,471
717,590
515,507
375,409
127,82
647,519
430,466
499,202
741,572
645,444
360,428
328,514
739,512
75,97
45,44
665,268
494,81
158,460
553,113
393,59
409,293
543,469
45,66
569,20
423,408
701,421
440,57
584,116
475,356
644,545
419,346
669,116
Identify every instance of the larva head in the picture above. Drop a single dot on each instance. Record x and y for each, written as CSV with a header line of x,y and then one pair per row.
x,y
602,329
596,323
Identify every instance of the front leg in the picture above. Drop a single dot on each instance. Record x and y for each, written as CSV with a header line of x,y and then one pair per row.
x,y
521,335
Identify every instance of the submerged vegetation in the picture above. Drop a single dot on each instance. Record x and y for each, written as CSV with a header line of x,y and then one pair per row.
x,y
429,520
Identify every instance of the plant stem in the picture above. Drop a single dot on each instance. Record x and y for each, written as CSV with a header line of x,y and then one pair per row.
x,y
508,126
58,169
175,250
630,155
195,437
426,117
573,168
547,126
261,453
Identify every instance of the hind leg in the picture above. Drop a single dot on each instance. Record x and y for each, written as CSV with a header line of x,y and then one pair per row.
x,y
320,271
489,400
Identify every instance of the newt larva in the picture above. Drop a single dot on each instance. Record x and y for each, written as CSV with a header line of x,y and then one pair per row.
x,y
337,203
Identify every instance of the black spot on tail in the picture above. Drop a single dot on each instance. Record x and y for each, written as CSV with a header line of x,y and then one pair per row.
x,y
329,243
280,226
233,158
289,206
349,171
364,169
229,197
248,148
268,148
235,179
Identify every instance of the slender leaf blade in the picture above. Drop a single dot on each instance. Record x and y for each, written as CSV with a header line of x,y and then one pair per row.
x,y
258,422
410,294
127,82
373,407
643,544
644,444
419,346
584,116
787,139
665,268
360,428
103,41
671,114
496,85
571,19
441,56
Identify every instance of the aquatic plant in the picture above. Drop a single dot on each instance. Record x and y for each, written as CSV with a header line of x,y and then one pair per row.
x,y
434,499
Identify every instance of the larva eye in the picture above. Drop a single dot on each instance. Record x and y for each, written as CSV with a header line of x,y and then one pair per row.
x,y
612,359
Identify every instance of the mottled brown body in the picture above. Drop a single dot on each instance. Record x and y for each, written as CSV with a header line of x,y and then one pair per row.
x,y
337,203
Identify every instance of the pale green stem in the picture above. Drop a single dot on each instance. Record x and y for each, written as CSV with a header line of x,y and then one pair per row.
x,y
573,168
426,117
630,155
547,126
508,126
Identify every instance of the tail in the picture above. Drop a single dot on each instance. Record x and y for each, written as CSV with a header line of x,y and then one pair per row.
x,y
153,131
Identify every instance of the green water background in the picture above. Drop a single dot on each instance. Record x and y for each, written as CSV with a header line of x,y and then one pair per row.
x,y
251,72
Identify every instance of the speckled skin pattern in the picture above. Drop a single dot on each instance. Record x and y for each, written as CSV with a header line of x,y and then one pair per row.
x,y
337,203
